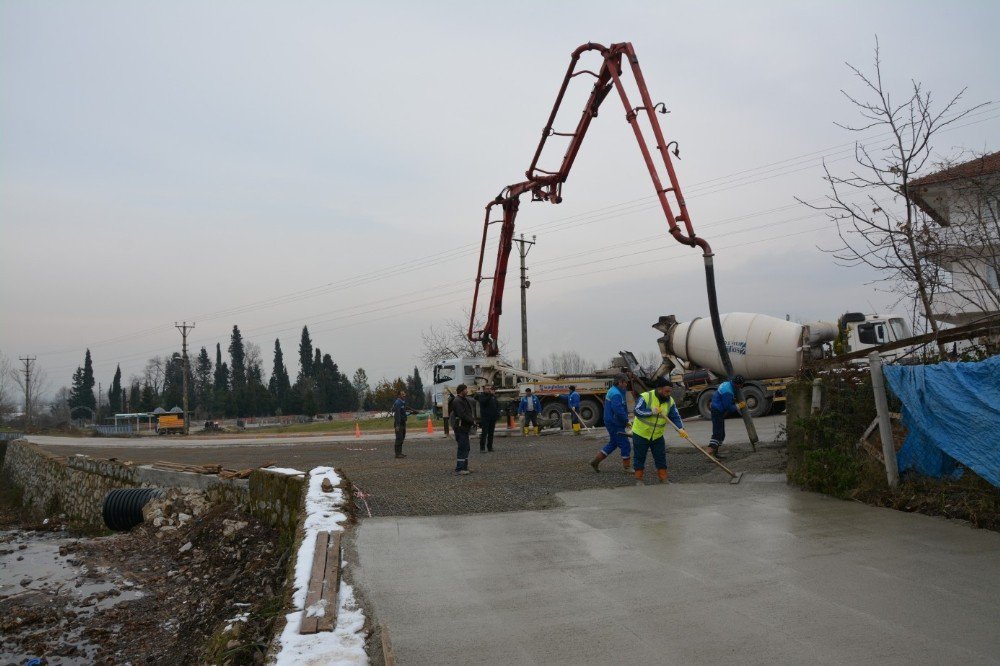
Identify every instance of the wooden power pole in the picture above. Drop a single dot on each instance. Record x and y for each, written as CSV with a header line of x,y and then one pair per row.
x,y
27,360
184,327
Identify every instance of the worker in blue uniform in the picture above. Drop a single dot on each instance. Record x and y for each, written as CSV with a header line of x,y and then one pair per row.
x,y
573,400
616,421
724,402
652,411
529,406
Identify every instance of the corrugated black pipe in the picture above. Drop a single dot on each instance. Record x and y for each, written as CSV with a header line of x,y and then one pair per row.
x,y
122,508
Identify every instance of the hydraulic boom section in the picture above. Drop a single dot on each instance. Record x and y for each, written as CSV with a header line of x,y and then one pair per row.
x,y
547,186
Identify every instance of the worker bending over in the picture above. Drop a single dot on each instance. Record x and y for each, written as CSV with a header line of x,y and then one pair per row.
x,y
529,406
616,421
723,402
573,400
652,410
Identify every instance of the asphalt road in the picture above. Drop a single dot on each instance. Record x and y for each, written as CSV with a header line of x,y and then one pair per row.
x,y
521,473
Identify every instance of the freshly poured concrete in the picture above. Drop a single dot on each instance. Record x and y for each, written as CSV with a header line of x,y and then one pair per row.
x,y
687,573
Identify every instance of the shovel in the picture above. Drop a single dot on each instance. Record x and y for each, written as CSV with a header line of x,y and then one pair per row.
x,y
734,478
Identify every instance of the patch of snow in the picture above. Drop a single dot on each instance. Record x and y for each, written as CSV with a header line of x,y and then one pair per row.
x,y
283,470
239,619
346,643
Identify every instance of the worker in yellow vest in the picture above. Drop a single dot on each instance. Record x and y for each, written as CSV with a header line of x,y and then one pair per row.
x,y
652,410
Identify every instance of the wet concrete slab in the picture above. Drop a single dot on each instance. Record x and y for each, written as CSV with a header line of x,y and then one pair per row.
x,y
754,573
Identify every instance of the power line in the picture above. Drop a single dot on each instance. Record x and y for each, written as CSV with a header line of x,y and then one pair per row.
x,y
715,185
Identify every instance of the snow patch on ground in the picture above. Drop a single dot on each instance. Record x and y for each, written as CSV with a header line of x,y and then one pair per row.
x,y
346,643
284,470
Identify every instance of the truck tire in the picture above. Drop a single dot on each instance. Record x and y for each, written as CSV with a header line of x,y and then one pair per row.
x,y
757,400
590,412
705,403
552,413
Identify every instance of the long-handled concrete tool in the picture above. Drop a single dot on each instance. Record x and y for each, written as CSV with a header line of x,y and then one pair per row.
x,y
580,419
734,478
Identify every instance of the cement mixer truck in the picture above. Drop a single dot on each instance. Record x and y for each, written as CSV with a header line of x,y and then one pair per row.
x,y
767,351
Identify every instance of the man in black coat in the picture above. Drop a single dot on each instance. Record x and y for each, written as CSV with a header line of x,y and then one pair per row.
x,y
463,420
489,412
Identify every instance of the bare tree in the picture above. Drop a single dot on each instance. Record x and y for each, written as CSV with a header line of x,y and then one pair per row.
x,y
449,340
31,391
567,363
154,372
253,358
59,407
7,400
881,228
649,361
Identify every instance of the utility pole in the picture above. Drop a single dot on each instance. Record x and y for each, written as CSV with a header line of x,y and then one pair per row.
x,y
524,246
97,413
27,360
183,328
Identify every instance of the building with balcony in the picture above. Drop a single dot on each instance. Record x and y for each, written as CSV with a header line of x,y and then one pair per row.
x,y
964,201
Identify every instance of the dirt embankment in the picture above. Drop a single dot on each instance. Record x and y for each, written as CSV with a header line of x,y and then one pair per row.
x,y
204,589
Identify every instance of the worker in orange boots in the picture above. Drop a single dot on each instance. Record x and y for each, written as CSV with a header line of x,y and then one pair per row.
x,y
652,410
616,421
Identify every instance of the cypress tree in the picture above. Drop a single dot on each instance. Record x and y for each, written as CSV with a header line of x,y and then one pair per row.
x,y
238,373
220,392
415,389
115,392
305,355
279,385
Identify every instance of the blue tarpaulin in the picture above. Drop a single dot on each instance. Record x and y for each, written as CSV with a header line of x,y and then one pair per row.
x,y
952,412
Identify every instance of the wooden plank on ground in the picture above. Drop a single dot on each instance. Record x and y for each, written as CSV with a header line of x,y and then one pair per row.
x,y
388,656
331,585
314,592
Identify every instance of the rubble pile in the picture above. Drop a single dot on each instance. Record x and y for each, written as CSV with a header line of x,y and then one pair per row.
x,y
176,509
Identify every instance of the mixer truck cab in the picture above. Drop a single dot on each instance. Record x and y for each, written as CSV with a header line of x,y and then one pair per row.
x,y
863,331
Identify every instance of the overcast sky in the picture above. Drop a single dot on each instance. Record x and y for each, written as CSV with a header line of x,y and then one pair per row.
x,y
280,164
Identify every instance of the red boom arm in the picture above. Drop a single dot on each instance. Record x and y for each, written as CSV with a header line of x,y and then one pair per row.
x,y
547,185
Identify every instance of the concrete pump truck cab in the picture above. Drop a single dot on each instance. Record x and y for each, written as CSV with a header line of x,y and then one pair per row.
x,y
766,350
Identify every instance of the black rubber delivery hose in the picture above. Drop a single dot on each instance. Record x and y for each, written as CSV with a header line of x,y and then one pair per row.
x,y
720,342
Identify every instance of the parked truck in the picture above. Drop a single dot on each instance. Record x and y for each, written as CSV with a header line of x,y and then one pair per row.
x,y
167,424
511,384
766,350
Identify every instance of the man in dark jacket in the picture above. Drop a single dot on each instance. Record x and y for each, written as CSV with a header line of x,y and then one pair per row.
x,y
399,412
462,422
489,412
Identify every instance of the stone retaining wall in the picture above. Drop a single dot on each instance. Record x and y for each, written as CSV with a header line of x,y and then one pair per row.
x,y
76,486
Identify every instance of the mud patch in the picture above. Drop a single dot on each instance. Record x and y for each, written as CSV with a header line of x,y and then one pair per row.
x,y
206,591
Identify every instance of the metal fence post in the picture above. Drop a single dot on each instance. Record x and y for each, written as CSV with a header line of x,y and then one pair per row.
x,y
884,422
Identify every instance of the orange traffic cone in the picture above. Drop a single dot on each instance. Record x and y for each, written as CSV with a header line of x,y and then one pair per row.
x,y
357,429
430,425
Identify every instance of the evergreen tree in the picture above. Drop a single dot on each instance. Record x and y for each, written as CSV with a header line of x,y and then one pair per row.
x,y
88,383
279,386
76,391
115,392
238,374
173,382
361,388
415,389
220,392
147,399
203,383
305,355
134,397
